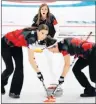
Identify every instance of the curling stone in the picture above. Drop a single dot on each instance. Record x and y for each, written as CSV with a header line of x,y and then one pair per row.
x,y
58,93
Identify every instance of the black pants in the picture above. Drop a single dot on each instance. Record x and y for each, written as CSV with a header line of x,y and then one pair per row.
x,y
7,54
80,64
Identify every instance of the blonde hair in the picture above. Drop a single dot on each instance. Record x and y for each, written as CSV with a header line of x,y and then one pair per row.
x,y
39,14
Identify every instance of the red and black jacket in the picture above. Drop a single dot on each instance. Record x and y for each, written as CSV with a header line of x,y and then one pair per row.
x,y
75,46
50,23
22,37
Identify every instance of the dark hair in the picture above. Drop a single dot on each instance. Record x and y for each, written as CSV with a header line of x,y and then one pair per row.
x,y
39,14
41,27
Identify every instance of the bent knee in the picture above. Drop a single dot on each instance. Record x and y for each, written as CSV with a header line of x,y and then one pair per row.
x,y
93,79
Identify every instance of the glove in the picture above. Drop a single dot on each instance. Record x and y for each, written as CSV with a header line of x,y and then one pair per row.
x,y
40,76
61,80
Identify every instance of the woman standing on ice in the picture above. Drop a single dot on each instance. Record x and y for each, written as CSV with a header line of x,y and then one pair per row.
x,y
86,53
11,47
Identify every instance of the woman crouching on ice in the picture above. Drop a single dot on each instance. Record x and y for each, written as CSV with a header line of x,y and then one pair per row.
x,y
86,53
11,46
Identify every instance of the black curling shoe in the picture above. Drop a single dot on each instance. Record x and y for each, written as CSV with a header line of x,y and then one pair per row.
x,y
89,93
13,95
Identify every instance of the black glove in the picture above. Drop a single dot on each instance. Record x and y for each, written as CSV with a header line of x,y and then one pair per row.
x,y
40,76
61,80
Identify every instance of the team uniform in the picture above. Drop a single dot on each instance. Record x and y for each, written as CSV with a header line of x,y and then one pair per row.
x,y
11,46
50,23
86,53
